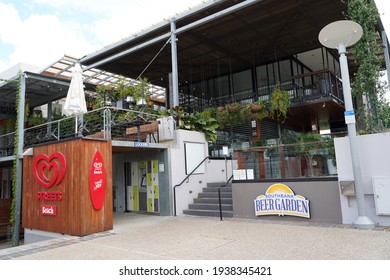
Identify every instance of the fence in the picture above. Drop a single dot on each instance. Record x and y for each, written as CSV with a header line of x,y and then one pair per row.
x,y
104,123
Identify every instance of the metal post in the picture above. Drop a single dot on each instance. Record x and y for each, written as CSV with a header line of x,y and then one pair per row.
x,y
362,220
19,159
175,73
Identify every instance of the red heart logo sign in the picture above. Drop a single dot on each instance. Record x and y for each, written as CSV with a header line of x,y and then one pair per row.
x,y
49,171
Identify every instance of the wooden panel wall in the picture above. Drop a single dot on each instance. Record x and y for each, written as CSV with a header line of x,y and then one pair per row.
x,y
75,213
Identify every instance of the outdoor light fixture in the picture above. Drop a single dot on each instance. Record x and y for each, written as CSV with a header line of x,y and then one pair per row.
x,y
340,35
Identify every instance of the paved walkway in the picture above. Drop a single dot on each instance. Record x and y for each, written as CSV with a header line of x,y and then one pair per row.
x,y
145,237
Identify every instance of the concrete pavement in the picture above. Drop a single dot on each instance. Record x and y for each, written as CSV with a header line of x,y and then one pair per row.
x,y
147,237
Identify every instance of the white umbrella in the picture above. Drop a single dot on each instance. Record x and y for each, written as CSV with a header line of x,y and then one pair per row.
x,y
75,99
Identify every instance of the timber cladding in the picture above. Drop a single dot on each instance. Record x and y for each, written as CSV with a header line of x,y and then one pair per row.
x,y
57,196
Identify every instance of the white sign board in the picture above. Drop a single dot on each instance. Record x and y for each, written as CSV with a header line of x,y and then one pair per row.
x,y
349,117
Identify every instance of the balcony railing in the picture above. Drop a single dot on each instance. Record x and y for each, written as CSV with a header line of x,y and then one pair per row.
x,y
104,123
301,88
309,86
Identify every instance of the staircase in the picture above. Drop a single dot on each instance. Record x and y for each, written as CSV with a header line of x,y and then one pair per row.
x,y
207,202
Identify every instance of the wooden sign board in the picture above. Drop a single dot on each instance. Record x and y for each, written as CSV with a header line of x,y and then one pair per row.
x,y
57,194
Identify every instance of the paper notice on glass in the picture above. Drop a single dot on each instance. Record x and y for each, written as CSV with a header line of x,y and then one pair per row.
x,y
242,174
249,174
161,167
236,175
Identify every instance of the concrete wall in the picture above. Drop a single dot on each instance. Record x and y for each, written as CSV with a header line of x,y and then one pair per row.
x,y
215,170
188,190
323,195
374,155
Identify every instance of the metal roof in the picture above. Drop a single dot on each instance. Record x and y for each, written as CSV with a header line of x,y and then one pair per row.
x,y
220,38
52,83
63,68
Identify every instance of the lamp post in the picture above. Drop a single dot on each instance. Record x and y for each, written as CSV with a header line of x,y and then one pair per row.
x,y
340,35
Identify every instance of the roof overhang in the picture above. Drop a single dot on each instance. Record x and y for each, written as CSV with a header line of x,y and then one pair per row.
x,y
40,89
221,37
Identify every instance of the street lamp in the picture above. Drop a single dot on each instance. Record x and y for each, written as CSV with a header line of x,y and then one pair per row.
x,y
340,35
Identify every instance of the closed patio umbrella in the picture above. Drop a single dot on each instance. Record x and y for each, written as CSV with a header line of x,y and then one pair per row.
x,y
75,99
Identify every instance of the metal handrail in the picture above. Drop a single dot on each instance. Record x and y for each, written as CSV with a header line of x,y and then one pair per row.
x,y
219,196
186,178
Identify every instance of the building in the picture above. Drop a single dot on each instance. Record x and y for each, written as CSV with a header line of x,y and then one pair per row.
x,y
217,53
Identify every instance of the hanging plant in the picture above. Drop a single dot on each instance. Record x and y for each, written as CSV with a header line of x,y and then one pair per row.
x,y
258,109
280,103
233,114
233,108
220,108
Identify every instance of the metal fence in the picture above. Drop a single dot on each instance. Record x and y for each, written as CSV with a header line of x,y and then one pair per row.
x,y
104,123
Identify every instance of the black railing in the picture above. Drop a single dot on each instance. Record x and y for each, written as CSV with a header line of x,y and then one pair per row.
x,y
219,196
308,86
185,179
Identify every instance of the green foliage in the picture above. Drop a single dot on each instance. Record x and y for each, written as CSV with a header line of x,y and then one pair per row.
x,y
200,121
280,103
259,109
385,115
369,56
15,171
10,125
35,118
56,114
308,143
118,91
232,115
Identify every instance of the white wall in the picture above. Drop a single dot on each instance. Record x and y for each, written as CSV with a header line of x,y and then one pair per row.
x,y
374,155
187,191
215,169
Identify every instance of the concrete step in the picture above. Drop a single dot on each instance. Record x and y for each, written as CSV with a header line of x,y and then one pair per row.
x,y
209,206
215,195
213,200
215,189
217,184
208,213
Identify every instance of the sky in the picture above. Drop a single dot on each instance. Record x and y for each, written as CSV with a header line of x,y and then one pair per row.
x,y
40,32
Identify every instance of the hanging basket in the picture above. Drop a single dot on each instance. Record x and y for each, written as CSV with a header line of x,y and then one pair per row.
x,y
256,108
233,108
221,109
